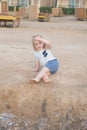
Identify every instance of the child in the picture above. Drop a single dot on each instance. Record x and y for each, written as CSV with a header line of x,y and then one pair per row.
x,y
44,58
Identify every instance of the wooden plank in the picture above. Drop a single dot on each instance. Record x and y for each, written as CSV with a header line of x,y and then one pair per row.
x,y
80,13
4,6
57,12
33,12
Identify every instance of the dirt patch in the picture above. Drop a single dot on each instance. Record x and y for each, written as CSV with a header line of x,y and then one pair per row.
x,y
60,105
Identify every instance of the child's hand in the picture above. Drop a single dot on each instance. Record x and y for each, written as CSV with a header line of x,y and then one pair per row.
x,y
47,42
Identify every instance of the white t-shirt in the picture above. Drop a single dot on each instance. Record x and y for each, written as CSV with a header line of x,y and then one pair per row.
x,y
43,56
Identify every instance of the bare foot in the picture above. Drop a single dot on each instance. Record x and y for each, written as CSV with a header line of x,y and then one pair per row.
x,y
48,73
33,81
46,79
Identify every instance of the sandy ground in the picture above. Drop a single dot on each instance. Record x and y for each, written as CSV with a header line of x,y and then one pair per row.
x,y
67,94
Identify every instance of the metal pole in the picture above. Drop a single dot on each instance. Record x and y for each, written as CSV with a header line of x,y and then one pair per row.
x,y
27,3
32,2
38,6
10,2
58,1
80,3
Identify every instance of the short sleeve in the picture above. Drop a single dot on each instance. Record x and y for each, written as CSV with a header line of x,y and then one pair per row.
x,y
36,55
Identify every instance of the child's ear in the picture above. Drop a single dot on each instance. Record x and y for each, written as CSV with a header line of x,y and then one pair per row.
x,y
44,45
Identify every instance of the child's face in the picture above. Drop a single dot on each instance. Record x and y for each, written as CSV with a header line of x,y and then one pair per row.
x,y
38,45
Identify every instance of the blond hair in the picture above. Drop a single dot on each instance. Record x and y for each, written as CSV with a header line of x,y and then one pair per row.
x,y
40,35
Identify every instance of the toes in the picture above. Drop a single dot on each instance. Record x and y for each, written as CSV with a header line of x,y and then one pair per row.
x,y
33,81
47,80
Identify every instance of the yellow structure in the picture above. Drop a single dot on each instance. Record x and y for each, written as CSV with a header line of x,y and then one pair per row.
x,y
44,17
8,18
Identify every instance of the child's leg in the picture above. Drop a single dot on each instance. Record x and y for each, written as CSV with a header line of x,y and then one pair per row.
x,y
40,75
46,78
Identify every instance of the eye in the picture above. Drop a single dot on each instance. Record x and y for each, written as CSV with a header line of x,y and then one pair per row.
x,y
40,42
36,44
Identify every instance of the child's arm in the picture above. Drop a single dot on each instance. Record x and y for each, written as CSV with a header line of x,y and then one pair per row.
x,y
45,41
37,65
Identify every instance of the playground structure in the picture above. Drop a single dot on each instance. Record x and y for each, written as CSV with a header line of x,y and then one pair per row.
x,y
81,10
6,19
44,17
32,12
13,17
81,13
57,12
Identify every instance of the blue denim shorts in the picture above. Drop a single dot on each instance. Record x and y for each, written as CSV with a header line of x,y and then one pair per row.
x,y
52,65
